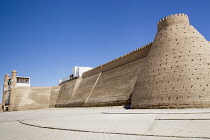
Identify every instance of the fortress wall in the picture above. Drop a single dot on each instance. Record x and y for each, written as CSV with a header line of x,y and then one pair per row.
x,y
82,91
176,19
28,98
22,96
65,93
178,68
54,95
114,87
108,84
92,72
171,72
127,58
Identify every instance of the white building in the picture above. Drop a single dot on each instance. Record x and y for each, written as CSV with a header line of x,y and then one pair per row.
x,y
76,72
23,81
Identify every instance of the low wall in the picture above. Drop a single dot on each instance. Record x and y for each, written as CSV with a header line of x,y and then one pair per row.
x,y
28,98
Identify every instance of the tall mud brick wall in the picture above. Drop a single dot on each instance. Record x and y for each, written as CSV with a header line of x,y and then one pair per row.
x,y
177,70
171,72
107,85
53,96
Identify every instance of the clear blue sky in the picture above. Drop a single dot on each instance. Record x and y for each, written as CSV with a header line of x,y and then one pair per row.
x,y
44,39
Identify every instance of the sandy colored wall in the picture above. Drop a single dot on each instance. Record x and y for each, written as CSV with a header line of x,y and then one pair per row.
x,y
114,86
171,72
54,95
65,93
178,68
125,59
28,98
76,94
108,84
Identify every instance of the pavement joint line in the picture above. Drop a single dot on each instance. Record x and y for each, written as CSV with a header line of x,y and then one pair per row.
x,y
182,119
88,131
155,113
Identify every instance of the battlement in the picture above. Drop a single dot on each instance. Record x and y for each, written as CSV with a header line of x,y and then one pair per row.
x,y
131,56
138,49
175,19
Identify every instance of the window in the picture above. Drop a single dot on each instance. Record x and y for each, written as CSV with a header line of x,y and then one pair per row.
x,y
22,80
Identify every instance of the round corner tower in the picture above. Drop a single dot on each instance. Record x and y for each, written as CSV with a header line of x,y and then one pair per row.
x,y
176,74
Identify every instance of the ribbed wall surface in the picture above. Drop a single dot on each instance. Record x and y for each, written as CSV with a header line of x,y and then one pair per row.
x,y
54,95
83,91
107,85
108,88
115,86
177,70
65,93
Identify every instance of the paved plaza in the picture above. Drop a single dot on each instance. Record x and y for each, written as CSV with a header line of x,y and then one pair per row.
x,y
105,123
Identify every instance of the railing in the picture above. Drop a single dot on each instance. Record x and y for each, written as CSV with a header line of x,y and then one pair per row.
x,y
63,80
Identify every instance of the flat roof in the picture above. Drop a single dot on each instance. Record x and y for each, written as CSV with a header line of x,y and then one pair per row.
x,y
22,77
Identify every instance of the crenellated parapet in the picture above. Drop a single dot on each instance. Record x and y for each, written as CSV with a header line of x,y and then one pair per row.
x,y
127,54
131,56
139,49
175,19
